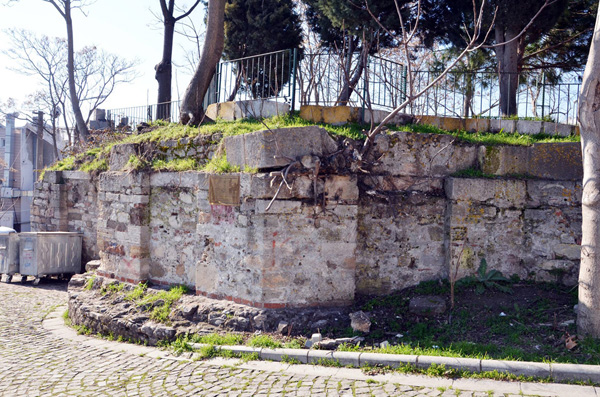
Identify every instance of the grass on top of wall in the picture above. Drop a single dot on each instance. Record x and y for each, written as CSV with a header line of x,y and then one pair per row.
x,y
94,159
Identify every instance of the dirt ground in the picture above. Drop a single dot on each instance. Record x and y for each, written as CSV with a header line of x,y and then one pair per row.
x,y
531,322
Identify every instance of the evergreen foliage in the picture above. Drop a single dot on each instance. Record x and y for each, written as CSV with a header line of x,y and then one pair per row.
x,y
254,27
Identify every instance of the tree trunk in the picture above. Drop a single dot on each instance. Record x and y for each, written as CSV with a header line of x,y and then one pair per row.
x,y
192,111
81,127
164,70
507,56
588,314
351,82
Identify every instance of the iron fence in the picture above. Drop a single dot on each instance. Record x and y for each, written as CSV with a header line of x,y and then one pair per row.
x,y
372,81
477,94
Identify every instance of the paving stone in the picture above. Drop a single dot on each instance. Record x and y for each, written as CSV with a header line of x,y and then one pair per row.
x,y
36,361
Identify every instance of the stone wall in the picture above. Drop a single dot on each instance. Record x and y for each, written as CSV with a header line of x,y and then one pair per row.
x,y
340,229
67,201
173,218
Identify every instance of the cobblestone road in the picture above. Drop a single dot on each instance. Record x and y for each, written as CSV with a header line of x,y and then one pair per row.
x,y
37,361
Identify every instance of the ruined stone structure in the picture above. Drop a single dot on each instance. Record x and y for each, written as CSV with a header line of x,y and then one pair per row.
x,y
345,226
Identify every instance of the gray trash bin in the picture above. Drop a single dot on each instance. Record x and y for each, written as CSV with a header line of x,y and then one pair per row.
x,y
9,252
49,253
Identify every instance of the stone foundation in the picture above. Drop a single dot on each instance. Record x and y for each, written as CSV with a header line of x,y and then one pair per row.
x,y
339,230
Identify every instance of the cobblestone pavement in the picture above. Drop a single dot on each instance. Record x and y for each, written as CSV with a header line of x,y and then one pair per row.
x,y
38,360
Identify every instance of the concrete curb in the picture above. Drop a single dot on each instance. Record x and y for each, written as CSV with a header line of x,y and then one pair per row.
x,y
560,372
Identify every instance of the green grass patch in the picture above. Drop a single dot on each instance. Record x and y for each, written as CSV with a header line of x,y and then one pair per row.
x,y
66,164
112,288
220,165
137,293
217,339
175,165
264,341
488,138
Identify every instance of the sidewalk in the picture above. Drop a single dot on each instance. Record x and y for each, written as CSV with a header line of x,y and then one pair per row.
x,y
55,325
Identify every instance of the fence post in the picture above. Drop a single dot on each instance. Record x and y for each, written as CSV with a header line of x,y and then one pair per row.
x,y
404,82
294,61
543,93
218,83
365,88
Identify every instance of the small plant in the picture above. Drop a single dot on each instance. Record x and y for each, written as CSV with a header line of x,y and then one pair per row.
x,y
287,359
161,312
489,279
89,284
135,163
137,293
208,352
112,288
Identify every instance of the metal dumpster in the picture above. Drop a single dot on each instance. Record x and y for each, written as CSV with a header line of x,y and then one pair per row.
x,y
9,252
49,253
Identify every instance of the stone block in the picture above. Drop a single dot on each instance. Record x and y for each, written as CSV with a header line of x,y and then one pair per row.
x,y
346,358
553,193
451,123
557,129
53,177
541,370
259,186
425,155
256,108
278,354
559,160
530,127
501,125
468,364
277,148
477,125
311,113
120,154
571,372
188,179
427,305
341,188
392,360
567,251
338,115
318,356
430,120
377,116
503,193
504,160
401,183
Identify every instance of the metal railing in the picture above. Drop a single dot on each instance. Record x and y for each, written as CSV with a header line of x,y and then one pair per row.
x,y
372,81
463,94
266,76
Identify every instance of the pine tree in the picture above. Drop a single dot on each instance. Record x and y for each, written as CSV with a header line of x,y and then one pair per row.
x,y
254,27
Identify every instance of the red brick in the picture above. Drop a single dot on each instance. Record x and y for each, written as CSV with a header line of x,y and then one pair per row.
x,y
274,305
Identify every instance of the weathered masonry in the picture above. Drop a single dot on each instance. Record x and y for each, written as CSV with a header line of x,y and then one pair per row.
x,y
343,227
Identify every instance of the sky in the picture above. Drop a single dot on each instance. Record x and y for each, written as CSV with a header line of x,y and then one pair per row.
x,y
123,27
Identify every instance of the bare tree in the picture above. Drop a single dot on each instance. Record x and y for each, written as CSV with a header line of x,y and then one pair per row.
x,y
64,8
192,111
588,313
97,75
164,68
43,57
